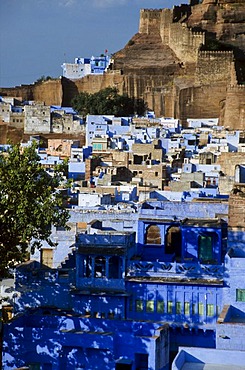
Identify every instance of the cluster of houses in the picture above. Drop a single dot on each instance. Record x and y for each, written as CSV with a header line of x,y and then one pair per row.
x,y
150,274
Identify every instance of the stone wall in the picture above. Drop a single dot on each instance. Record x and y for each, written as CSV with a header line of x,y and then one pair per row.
x,y
234,113
150,21
181,39
201,101
91,84
184,42
236,216
49,92
228,162
213,66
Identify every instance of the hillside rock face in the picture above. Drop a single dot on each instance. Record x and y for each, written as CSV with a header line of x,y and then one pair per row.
x,y
225,19
187,62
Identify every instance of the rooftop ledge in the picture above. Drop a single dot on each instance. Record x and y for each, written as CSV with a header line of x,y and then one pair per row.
x,y
174,280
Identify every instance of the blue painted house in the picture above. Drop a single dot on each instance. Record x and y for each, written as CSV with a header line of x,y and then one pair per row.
x,y
120,304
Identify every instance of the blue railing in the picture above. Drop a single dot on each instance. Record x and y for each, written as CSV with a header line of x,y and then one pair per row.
x,y
157,269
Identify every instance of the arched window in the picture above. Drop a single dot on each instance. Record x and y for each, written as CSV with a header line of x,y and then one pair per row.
x,y
153,235
99,268
115,267
173,241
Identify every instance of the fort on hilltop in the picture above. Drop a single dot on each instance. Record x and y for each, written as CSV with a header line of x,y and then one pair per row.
x,y
185,62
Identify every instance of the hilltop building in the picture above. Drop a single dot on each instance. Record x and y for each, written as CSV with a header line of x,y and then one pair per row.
x,y
86,66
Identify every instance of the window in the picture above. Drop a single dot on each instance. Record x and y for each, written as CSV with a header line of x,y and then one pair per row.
x,y
123,366
111,315
193,309
130,305
141,361
240,295
115,263
160,306
87,267
156,174
47,366
201,309
178,308
99,268
97,146
217,311
187,308
205,248
170,307
153,235
210,310
173,241
139,305
149,306
34,366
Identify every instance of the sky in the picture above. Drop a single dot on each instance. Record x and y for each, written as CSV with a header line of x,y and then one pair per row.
x,y
38,36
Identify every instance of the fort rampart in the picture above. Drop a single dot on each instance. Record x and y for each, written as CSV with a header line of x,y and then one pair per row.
x,y
213,66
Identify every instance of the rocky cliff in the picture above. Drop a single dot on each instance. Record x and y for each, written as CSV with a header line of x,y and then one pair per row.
x,y
187,62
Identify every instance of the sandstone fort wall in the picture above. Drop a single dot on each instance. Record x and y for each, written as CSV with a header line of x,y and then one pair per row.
x,y
181,39
214,66
50,92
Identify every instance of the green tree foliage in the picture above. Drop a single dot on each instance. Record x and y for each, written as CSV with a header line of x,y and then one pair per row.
x,y
30,202
108,101
44,78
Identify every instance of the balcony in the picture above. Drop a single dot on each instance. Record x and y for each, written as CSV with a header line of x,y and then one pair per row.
x,y
174,271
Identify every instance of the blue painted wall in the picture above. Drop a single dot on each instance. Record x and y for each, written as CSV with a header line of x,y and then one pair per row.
x,y
125,288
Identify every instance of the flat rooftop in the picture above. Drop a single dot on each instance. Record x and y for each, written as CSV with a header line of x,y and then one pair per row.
x,y
194,366
196,358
